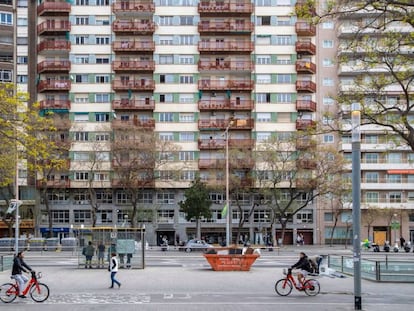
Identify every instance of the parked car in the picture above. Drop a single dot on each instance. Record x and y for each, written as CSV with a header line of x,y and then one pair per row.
x,y
197,245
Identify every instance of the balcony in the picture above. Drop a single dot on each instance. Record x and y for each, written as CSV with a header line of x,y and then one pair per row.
x,y
305,5
226,104
65,183
136,7
55,104
305,67
304,144
133,163
127,124
216,144
305,105
305,86
53,66
306,164
227,8
305,47
133,183
53,85
304,125
231,26
305,29
230,65
144,27
306,183
232,46
134,46
211,163
133,85
237,85
221,124
53,8
127,66
246,182
54,46
53,27
133,104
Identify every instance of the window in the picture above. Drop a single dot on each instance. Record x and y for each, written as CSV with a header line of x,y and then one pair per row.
x,y
5,75
304,217
166,78
283,40
263,20
101,176
410,198
58,196
82,20
101,20
284,21
394,158
165,216
102,98
81,98
166,20
327,44
186,136
165,198
102,79
186,155
83,78
21,21
395,178
166,175
81,59
166,98
187,175
186,79
284,97
328,216
166,136
263,97
283,2
186,98
264,117
102,2
81,117
102,136
263,40
104,217
263,78
166,40
81,156
82,2
328,25
122,198
102,59
166,2
186,40
395,197
328,82
284,78
22,41
6,19
82,39
22,78
81,136
263,136
328,138
371,197
166,59
328,101
101,117
81,176
60,216
284,60
166,156
371,177
263,2
186,59
327,62
284,136
166,117
82,216
186,20
102,40
371,157
186,117
21,3
263,59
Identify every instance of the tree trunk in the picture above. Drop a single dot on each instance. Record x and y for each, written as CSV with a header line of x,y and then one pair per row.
x,y
282,233
198,229
333,231
134,214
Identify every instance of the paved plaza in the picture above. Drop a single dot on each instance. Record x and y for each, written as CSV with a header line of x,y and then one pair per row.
x,y
194,286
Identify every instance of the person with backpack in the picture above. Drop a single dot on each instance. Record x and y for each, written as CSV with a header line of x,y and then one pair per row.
x,y
304,267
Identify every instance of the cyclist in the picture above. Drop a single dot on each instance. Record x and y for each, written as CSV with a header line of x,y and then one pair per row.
x,y
20,266
304,267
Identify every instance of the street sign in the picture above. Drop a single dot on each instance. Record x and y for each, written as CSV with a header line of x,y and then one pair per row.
x,y
13,205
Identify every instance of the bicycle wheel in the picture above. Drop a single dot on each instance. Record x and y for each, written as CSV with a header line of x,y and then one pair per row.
x,y
283,287
8,292
311,287
39,292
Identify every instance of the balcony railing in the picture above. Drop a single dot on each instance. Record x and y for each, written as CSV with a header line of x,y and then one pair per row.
x,y
55,104
53,183
305,86
214,144
52,27
133,104
226,104
303,144
216,182
305,29
53,66
134,46
222,124
122,124
231,65
133,183
142,27
242,85
225,26
225,7
53,45
226,46
135,163
53,85
133,65
53,8
307,164
211,163
135,6
305,47
134,85
305,67
306,183
305,124
305,105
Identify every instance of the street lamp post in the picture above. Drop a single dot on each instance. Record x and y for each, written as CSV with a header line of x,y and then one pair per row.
x,y
228,215
356,202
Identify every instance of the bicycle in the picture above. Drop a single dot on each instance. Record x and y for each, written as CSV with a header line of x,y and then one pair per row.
x,y
38,291
284,286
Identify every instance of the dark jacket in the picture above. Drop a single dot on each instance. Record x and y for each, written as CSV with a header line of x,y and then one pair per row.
x,y
19,265
303,264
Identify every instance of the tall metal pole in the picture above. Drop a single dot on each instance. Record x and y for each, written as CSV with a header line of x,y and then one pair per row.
x,y
356,202
228,218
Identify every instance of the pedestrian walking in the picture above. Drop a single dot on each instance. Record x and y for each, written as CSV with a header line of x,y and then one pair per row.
x,y
101,254
88,252
113,268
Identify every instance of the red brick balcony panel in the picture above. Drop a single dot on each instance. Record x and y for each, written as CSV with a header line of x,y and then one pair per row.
x,y
145,124
55,104
53,85
305,67
133,104
65,183
120,26
305,47
305,29
134,85
136,6
305,105
225,65
225,26
222,124
53,66
226,46
305,86
134,46
133,65
305,124
53,8
54,45
53,27
242,85
225,7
